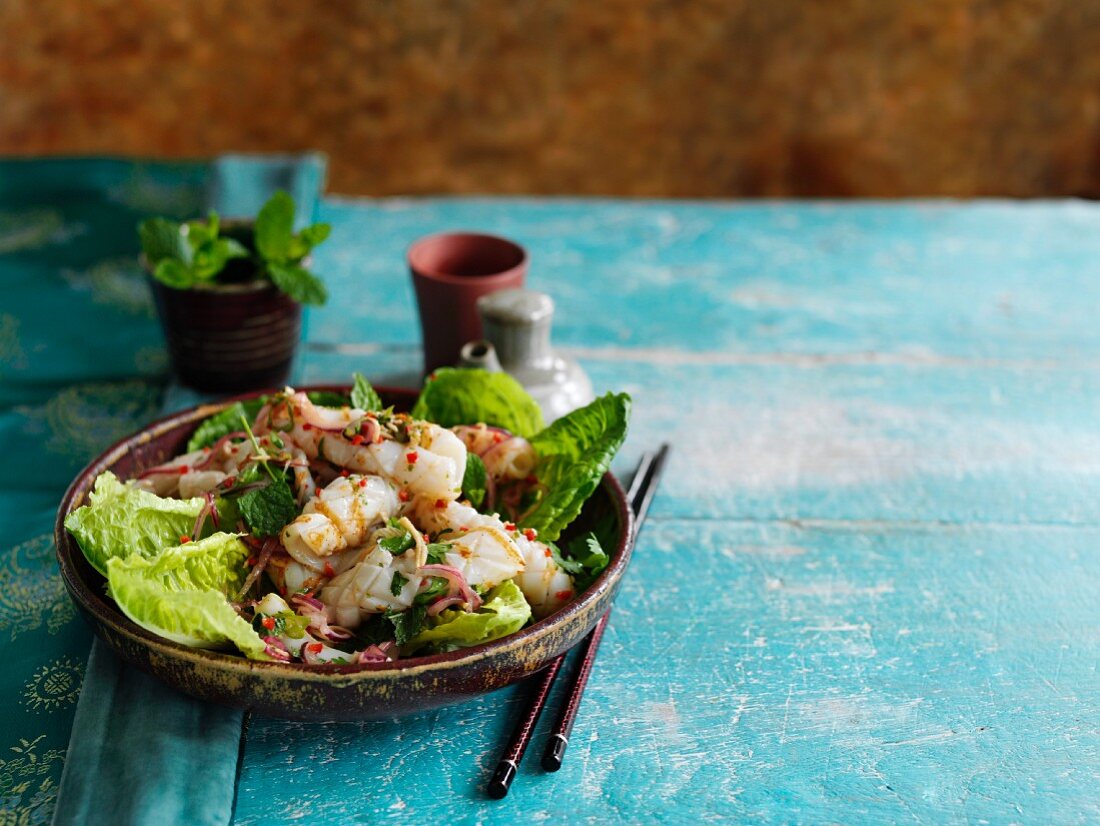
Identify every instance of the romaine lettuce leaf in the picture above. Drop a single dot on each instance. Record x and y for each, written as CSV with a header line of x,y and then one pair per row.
x,y
504,612
463,396
181,593
124,520
573,454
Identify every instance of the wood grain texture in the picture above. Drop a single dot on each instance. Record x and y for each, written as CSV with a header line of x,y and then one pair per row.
x,y
868,590
641,97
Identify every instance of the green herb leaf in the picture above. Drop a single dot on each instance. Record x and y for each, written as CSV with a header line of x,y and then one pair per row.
x,y
408,623
585,559
398,583
274,228
437,553
287,624
162,239
461,396
227,421
298,283
473,480
398,543
504,612
437,586
363,395
267,510
327,399
174,274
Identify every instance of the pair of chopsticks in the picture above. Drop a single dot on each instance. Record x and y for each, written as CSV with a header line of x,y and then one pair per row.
x,y
642,488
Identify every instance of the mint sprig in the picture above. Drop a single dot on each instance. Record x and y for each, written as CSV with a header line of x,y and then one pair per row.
x,y
196,253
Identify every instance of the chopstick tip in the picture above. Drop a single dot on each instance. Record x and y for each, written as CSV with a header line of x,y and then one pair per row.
x,y
555,753
502,779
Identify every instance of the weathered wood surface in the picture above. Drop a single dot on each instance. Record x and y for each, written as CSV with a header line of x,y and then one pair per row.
x,y
870,589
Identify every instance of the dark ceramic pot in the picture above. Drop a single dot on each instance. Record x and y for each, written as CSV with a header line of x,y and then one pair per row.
x,y
233,336
333,692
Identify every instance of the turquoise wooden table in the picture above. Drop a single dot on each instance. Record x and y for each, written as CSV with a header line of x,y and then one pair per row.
x,y
869,589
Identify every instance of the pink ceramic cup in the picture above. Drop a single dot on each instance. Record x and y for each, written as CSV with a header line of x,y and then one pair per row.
x,y
450,272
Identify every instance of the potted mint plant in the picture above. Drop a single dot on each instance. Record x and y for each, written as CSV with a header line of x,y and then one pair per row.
x,y
230,293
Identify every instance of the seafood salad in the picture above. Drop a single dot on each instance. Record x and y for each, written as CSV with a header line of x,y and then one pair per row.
x,y
323,528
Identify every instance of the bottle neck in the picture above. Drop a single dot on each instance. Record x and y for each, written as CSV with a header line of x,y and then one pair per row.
x,y
525,344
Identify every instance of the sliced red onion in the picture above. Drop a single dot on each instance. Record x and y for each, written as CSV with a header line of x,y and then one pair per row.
x,y
164,470
274,647
218,445
307,601
457,580
441,605
380,653
266,550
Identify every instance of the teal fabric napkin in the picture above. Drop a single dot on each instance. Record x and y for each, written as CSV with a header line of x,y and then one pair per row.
x,y
140,752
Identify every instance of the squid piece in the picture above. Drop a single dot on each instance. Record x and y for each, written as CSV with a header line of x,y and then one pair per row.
x,y
367,587
506,457
479,545
339,517
431,463
545,585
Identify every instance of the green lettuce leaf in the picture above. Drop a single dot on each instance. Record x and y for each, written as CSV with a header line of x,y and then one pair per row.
x,y
181,594
227,421
574,453
123,520
504,612
463,396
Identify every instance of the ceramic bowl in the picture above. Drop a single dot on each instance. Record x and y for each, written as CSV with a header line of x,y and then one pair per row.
x,y
333,692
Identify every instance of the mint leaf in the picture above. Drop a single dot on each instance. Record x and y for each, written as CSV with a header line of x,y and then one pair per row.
x,y
298,283
397,583
174,273
407,624
326,399
473,480
228,421
302,243
363,395
274,228
266,510
161,239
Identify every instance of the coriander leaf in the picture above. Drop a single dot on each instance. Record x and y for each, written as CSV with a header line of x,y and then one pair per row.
x,y
266,510
227,421
573,454
363,395
174,274
397,583
586,553
398,543
462,396
437,553
162,239
408,623
473,480
298,283
274,228
566,563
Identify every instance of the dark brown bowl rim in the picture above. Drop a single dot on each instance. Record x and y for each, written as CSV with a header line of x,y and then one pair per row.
x,y
105,611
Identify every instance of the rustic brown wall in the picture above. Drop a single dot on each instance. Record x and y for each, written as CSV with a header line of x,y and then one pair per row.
x,y
640,97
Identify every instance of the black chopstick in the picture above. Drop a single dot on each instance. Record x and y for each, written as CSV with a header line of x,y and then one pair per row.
x,y
521,735
642,488
640,495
